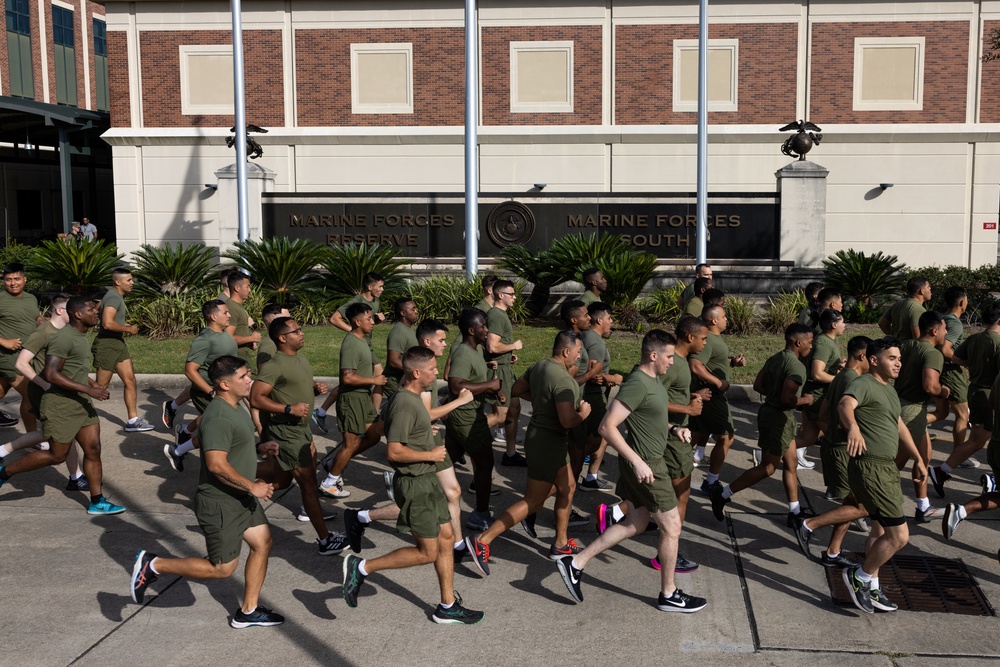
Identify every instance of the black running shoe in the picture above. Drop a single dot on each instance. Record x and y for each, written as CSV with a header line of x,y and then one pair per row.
x,y
494,491
938,478
680,601
479,552
354,529
142,575
168,414
881,602
352,580
515,460
332,545
7,420
456,614
528,523
683,566
840,560
718,502
78,484
860,590
803,535
261,617
577,519
571,577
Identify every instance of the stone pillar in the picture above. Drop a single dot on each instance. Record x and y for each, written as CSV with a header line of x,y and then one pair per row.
x,y
802,188
259,180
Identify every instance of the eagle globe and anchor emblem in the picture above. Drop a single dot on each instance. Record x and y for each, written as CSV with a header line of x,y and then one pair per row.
x,y
510,223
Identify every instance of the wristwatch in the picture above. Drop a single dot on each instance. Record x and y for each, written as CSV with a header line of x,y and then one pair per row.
x,y
288,409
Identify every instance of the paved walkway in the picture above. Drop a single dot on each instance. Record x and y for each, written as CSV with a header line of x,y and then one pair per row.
x,y
65,581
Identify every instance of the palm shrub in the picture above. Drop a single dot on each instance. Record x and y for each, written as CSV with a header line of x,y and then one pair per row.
x,y
172,270
171,315
312,308
627,275
538,268
660,305
279,266
781,310
16,253
346,266
79,267
741,314
442,297
574,254
863,277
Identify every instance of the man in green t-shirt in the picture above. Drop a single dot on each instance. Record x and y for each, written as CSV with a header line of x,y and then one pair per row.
x,y
902,318
423,508
500,346
700,271
644,479
228,501
822,366
284,392
19,317
827,298
780,380
556,410
67,410
266,349
596,390
240,322
111,354
954,376
583,443
696,304
484,304
400,339
594,285
879,444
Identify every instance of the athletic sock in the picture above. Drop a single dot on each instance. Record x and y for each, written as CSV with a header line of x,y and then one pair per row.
x,y
320,412
448,606
364,516
863,576
794,508
153,568
617,513
574,564
77,475
591,477
361,568
185,428
184,448
5,450
174,406
699,452
727,493
809,530
711,478
945,468
831,555
923,504
132,420
331,480
874,583
962,513
460,545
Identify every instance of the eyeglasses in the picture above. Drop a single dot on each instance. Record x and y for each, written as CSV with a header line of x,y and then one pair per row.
x,y
506,293
293,331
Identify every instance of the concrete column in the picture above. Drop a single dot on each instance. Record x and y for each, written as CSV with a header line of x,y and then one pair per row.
x,y
259,180
802,188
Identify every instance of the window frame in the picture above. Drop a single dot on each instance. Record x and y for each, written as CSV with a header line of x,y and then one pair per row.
x,y
687,45
861,44
359,107
516,48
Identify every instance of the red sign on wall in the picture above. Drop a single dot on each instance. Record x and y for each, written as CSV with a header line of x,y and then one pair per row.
x,y
989,225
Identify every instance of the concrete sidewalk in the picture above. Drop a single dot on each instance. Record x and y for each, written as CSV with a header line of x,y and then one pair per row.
x,y
65,580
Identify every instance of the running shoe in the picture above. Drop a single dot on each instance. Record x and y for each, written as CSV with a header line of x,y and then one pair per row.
x,y
938,478
7,420
459,554
479,521
861,525
104,507
142,575
987,481
494,491
479,552
605,518
860,590
570,576
319,420
683,565
528,523
176,461
515,460
803,535
927,515
328,515
332,545
577,519
596,484
803,461
706,488
180,435
456,614
880,602
138,426
352,580
969,463
755,453
831,496
259,617
949,524
460,461
680,601
718,502
334,490
78,484
388,477
168,415
571,549
354,529
43,446
840,560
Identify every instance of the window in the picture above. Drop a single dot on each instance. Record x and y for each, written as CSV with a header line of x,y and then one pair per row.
x,y
723,74
382,78
101,63
541,77
65,55
888,73
207,79
22,73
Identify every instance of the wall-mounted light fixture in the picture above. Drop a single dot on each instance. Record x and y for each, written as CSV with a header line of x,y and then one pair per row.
x,y
885,186
212,186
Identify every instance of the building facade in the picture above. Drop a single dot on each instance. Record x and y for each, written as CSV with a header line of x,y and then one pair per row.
x,y
586,98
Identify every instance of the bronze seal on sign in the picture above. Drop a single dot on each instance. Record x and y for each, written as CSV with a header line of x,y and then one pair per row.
x,y
510,223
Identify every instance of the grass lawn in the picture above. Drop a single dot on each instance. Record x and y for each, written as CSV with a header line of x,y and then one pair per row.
x,y
323,349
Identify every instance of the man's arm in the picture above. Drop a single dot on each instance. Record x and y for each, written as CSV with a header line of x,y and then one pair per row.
x,y
351,378
494,346
260,398
617,413
522,388
758,382
692,409
457,384
217,462
845,411
789,395
23,366
817,372
931,382
254,337
108,322
397,452
337,320
885,325
700,371
570,416
442,411
192,374
54,376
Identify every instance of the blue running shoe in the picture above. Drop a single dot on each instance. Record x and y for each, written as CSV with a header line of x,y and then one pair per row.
x,y
104,507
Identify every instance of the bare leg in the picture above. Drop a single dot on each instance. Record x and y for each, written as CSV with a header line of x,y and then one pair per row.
x,y
453,492
790,476
126,372
510,429
444,564
259,539
669,524
884,547
535,495
425,553
723,441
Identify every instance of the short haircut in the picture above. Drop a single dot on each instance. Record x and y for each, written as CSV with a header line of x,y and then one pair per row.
x,y
76,304
354,310
210,308
224,367
589,274
812,290
915,284
429,327
569,310
415,356
271,310
858,345
564,339
372,279
795,331
120,272
488,281
828,295
13,267
278,327
688,326
701,284
713,296
880,345
225,273
829,319
597,309
953,295
236,278
467,319
500,285
928,321
656,340
397,307
699,267
709,313
991,313
60,300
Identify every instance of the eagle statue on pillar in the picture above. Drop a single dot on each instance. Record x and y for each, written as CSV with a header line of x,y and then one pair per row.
x,y
800,143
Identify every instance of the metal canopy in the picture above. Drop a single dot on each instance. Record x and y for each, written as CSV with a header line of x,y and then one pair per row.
x,y
25,121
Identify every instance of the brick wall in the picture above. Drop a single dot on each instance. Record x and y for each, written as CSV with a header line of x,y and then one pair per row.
x,y
644,73
92,8
323,76
989,103
118,86
946,53
36,48
161,78
587,74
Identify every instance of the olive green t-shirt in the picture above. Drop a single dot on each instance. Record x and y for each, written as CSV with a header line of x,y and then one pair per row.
x,y
835,433
18,316
469,365
74,347
596,349
499,324
824,349
112,300
687,295
782,366
407,421
266,349
38,343
917,355
226,428
715,357
482,306
401,338
694,306
374,303
677,382
583,365
955,335
291,376
904,316
982,352
648,422
355,355
239,318
550,384
877,415
588,298
208,346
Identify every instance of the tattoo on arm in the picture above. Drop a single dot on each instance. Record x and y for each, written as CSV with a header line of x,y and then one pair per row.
x,y
234,482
